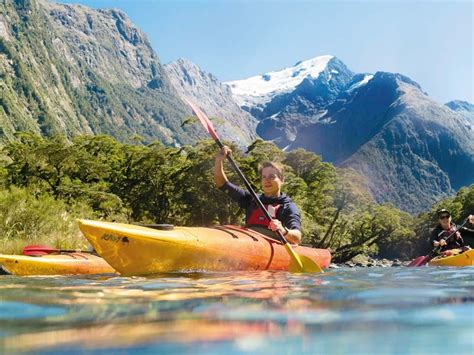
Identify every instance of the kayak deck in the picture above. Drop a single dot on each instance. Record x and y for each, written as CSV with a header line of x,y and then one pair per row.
x,y
76,263
137,250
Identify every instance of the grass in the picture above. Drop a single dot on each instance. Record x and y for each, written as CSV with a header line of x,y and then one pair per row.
x,y
27,219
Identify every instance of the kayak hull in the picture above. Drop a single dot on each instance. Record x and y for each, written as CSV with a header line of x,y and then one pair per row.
x,y
76,263
137,250
464,259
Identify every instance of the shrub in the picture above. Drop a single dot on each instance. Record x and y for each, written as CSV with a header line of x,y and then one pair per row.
x,y
29,219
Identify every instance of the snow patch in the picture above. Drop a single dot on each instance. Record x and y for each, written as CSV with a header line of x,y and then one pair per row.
x,y
364,81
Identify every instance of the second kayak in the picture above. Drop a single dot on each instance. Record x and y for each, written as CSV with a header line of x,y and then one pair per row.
x,y
137,250
463,259
75,263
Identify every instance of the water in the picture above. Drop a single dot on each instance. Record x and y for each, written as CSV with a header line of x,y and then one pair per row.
x,y
422,310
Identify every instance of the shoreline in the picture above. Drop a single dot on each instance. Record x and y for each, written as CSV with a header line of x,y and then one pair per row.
x,y
370,262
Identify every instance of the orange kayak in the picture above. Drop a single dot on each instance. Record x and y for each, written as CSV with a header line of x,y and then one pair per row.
x,y
138,250
75,263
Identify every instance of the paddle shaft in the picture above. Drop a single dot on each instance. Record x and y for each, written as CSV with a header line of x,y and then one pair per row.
x,y
252,192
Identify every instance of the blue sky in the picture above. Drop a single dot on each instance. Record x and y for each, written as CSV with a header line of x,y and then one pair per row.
x,y
429,41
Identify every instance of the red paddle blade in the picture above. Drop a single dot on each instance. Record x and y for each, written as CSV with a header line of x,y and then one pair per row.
x,y
419,261
205,121
36,250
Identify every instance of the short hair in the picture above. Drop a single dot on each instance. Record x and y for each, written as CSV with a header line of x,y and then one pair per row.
x,y
271,164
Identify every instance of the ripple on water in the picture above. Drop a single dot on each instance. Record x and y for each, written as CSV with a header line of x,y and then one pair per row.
x,y
357,311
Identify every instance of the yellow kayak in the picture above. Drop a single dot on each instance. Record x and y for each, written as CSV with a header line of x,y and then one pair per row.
x,y
464,259
137,250
75,263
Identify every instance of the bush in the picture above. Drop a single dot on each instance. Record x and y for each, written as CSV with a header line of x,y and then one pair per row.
x,y
29,219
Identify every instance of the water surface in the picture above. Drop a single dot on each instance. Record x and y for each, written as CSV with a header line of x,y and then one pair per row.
x,y
422,310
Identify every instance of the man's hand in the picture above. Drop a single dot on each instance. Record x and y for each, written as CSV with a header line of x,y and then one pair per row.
x,y
224,152
442,243
276,225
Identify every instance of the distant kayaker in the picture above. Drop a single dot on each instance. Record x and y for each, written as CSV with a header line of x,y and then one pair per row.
x,y
440,236
285,214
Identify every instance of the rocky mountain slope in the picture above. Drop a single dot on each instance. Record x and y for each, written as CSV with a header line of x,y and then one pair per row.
x,y
412,150
214,98
465,108
69,69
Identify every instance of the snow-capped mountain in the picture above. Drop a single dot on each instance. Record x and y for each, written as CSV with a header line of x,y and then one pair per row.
x,y
260,89
359,81
284,100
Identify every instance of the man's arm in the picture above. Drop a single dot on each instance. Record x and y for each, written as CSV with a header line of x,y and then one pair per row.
x,y
219,175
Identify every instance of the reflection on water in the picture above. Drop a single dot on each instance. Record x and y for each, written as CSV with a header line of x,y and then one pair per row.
x,y
344,311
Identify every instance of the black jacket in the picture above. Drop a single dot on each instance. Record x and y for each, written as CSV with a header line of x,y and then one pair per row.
x,y
464,236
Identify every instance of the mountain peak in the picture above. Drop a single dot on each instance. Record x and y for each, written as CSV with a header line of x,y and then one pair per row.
x,y
184,62
261,88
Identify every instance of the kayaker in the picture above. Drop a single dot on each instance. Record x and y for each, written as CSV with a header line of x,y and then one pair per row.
x,y
286,216
445,228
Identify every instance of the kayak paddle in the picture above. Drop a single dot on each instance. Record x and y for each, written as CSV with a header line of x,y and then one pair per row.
x,y
423,260
298,263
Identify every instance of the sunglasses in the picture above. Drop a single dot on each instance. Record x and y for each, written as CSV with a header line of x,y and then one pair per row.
x,y
444,216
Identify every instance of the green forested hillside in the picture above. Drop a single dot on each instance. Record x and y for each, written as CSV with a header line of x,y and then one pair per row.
x,y
72,70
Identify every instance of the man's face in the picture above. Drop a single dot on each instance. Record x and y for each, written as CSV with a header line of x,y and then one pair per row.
x,y
445,220
271,183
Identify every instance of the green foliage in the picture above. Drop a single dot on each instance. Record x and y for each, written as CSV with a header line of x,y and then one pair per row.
x,y
149,181
27,218
380,230
80,171
261,151
203,203
49,178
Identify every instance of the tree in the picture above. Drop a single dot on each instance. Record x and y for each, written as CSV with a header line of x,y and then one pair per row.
x,y
378,230
349,194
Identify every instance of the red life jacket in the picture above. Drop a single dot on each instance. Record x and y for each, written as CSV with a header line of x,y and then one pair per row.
x,y
257,218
